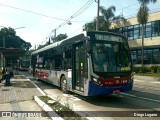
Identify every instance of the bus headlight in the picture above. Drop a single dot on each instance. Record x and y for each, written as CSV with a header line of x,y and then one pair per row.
x,y
97,81
94,79
131,78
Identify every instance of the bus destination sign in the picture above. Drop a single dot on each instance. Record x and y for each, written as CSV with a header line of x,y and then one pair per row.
x,y
108,37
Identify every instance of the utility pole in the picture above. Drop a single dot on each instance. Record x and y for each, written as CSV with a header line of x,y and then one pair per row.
x,y
4,46
54,35
97,22
4,42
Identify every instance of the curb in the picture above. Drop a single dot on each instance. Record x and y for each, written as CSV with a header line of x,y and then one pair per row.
x,y
46,108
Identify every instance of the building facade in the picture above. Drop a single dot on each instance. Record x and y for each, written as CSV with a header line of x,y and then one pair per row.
x,y
132,30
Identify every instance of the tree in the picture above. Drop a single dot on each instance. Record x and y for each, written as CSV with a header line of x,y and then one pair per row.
x,y
59,37
90,26
108,16
11,40
142,18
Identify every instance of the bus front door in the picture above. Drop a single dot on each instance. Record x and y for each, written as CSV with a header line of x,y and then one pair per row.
x,y
79,67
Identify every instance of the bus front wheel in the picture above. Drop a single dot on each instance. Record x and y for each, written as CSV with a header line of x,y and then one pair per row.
x,y
64,84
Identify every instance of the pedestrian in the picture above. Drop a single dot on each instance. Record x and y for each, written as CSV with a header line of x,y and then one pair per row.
x,y
16,69
8,75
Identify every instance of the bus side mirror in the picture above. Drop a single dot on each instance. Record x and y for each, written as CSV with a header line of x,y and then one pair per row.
x,y
88,47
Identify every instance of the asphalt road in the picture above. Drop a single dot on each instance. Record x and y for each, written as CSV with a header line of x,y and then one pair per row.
x,y
144,97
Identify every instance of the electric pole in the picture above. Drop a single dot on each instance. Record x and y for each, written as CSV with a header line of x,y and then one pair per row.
x,y
97,22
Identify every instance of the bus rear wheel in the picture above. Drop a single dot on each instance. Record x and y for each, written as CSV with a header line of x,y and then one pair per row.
x,y
64,84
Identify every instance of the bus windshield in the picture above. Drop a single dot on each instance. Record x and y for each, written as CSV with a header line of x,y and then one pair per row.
x,y
110,57
25,63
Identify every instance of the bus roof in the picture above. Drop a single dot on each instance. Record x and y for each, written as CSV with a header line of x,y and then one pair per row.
x,y
62,42
71,40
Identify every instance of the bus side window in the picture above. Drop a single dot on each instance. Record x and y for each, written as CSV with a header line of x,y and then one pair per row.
x,y
58,59
48,64
66,62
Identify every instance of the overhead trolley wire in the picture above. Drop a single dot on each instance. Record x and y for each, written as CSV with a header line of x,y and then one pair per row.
x,y
82,9
32,12
77,13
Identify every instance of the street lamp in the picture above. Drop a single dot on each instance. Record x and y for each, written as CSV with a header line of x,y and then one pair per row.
x,y
19,28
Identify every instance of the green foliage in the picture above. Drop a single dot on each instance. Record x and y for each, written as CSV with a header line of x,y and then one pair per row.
x,y
141,69
108,16
59,37
90,26
154,68
146,1
64,111
142,15
11,40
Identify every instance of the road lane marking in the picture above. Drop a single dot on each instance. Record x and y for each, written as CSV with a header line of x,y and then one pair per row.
x,y
155,82
138,80
134,96
43,93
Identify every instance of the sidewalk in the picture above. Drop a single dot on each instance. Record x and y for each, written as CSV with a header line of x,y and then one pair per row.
x,y
19,97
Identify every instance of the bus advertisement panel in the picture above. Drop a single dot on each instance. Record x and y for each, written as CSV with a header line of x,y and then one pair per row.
x,y
89,64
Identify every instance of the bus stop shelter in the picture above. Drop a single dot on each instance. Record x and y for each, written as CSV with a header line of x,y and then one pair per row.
x,y
10,56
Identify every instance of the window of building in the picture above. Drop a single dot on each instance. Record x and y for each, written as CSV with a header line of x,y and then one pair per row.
x,y
130,32
134,57
133,32
147,56
156,56
124,31
155,28
151,56
139,56
148,30
140,35
136,31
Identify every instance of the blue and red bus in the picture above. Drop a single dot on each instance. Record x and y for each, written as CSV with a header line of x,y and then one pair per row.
x,y
91,63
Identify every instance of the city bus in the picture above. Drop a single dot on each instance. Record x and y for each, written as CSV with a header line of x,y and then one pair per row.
x,y
24,64
91,63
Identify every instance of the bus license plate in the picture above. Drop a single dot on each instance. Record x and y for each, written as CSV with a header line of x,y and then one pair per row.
x,y
116,91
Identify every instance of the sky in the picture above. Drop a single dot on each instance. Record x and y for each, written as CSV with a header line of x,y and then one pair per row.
x,y
41,17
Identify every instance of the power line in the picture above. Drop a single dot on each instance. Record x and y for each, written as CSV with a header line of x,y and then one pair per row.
x,y
127,6
77,13
36,13
75,31
81,10
150,11
74,15
32,12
